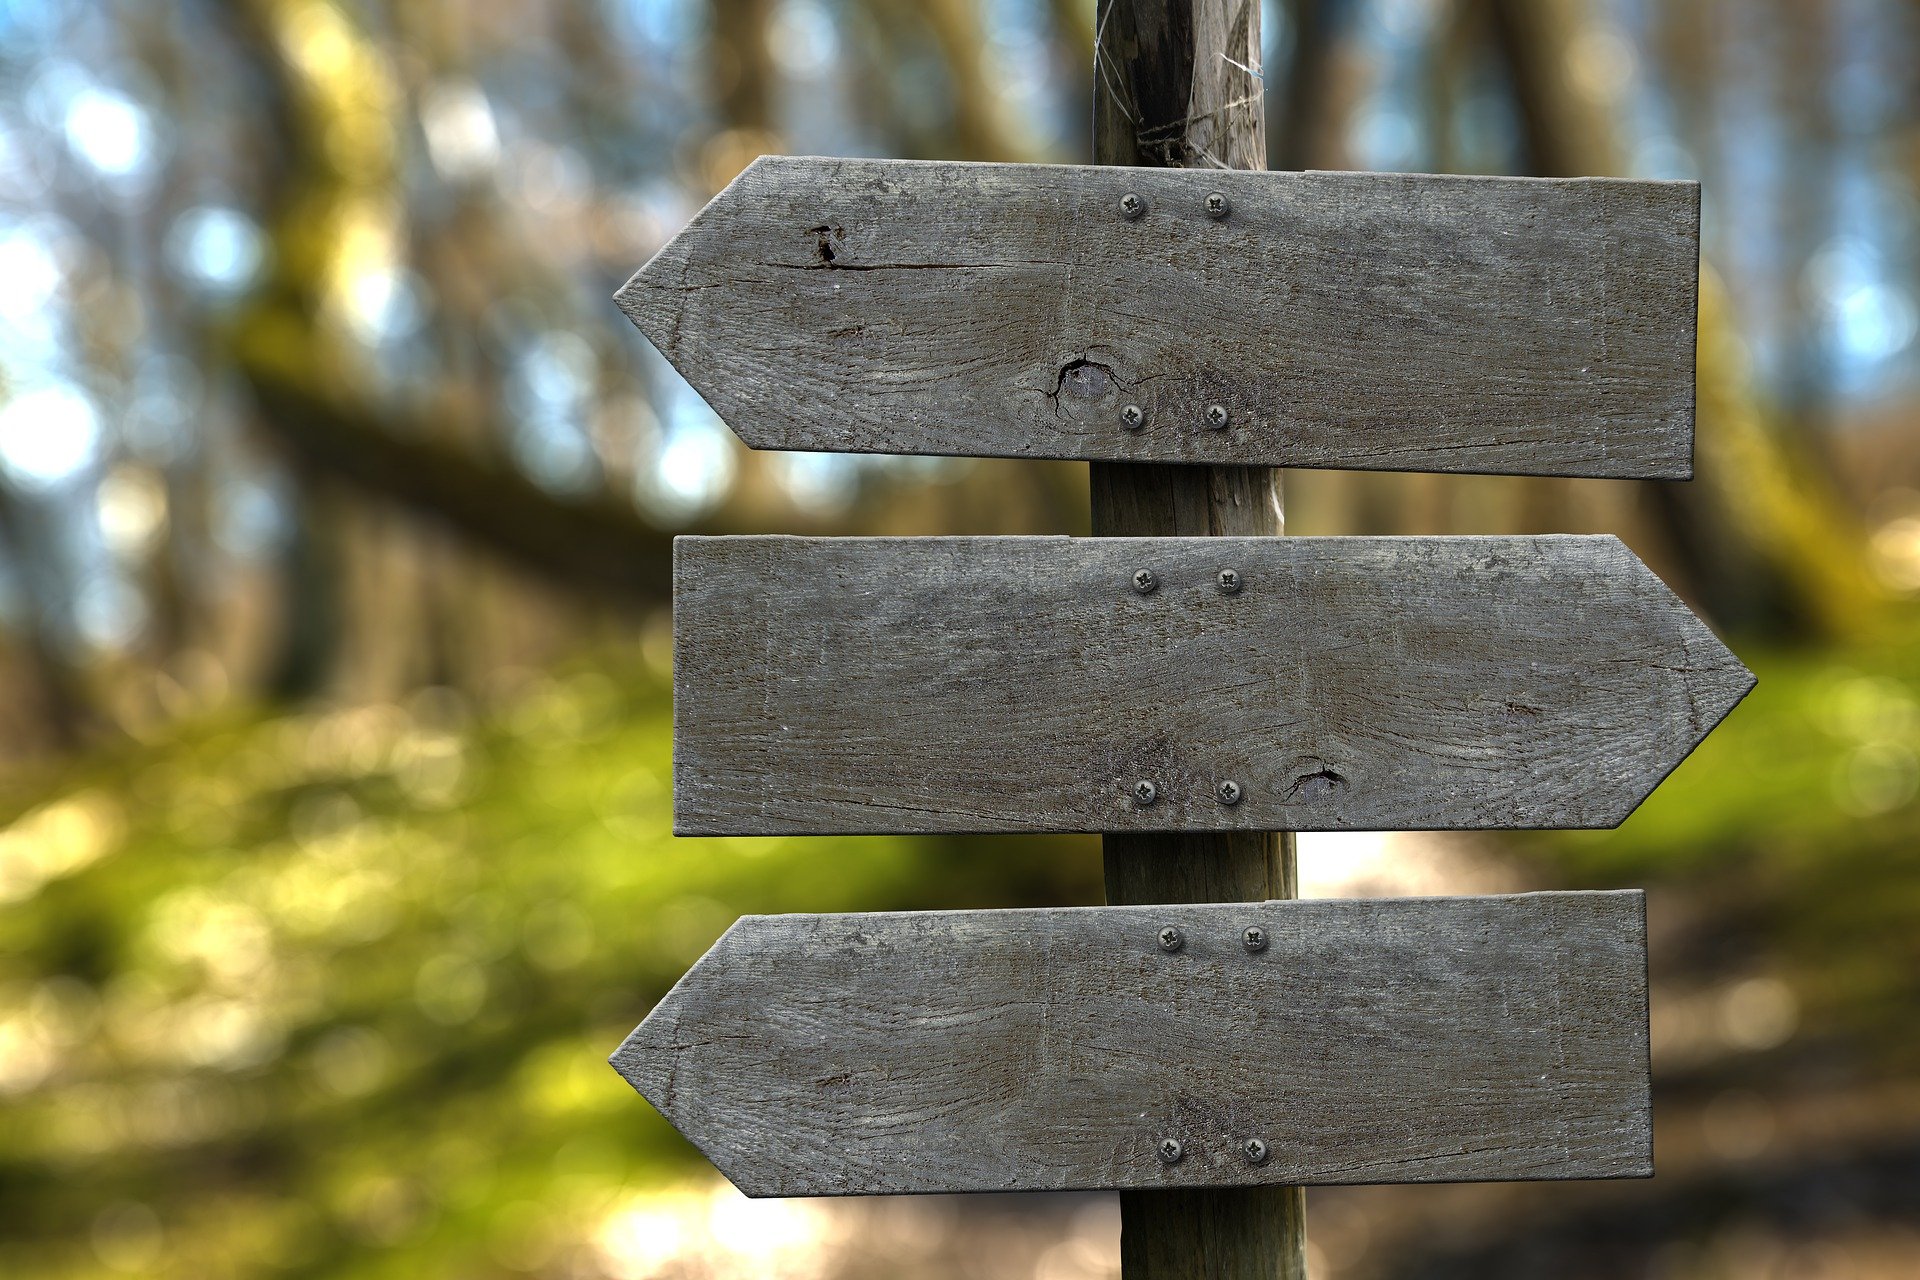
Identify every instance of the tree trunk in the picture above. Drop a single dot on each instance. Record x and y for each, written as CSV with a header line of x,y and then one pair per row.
x,y
1760,537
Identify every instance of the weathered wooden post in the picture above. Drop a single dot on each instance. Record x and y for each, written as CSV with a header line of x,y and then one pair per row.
x,y
1188,684
1178,84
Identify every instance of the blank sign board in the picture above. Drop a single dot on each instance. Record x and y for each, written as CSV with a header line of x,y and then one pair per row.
x,y
1182,684
1397,1040
1363,320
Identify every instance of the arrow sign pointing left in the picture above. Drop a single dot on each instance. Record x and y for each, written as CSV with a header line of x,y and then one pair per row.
x,y
1395,1040
1390,321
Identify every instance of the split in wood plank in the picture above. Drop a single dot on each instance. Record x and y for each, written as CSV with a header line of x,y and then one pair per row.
x,y
1361,320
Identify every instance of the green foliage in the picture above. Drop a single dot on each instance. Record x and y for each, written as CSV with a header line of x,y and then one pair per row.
x,y
1788,844
333,993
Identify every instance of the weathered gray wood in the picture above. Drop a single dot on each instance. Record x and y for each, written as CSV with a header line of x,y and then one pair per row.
x,y
1388,321
848,685
1178,85
1392,1040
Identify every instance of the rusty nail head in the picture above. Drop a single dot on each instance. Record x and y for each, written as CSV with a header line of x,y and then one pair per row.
x,y
1216,416
1171,1151
1253,938
1132,417
1132,206
1144,581
1145,793
1228,791
1171,939
1229,580
1216,205
1256,1151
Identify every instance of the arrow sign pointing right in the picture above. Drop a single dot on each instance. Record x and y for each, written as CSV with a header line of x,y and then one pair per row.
x,y
1391,321
848,685
1396,1040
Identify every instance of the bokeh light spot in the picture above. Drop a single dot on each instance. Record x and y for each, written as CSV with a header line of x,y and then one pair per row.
x,y
216,248
48,435
110,132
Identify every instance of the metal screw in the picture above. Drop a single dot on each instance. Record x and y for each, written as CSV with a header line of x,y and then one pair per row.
x,y
1229,580
1145,793
1171,939
1228,791
1145,582
1171,1151
1133,417
1253,938
1216,416
1132,206
1216,205
1256,1151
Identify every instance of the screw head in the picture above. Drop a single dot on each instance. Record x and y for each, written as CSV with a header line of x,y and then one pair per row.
x,y
1170,1151
1216,416
1171,939
1133,417
1217,207
1145,793
1255,1150
1253,938
1132,206
1229,580
1228,791
1145,582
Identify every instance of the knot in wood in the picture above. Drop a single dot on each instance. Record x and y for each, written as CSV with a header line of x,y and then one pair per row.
x,y
1086,380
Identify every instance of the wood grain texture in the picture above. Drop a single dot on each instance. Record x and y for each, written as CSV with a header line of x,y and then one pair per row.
x,y
1179,86
1387,321
1391,1040
848,685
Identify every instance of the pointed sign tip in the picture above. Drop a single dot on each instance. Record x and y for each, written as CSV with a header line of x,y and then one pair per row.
x,y
1576,675
1716,688
758,318
645,296
1740,682
640,300
897,1053
649,1060
630,1060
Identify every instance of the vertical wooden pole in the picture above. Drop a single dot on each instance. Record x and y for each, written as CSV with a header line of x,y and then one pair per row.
x,y
1176,85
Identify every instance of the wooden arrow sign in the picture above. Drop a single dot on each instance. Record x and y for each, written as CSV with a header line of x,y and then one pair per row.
x,y
849,685
1387,321
1396,1040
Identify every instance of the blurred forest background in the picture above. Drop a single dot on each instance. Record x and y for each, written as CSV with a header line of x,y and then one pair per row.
x,y
335,499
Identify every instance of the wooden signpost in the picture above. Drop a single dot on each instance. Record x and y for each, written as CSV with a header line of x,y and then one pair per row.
x,y
1365,320
1186,684
848,685
1419,1040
